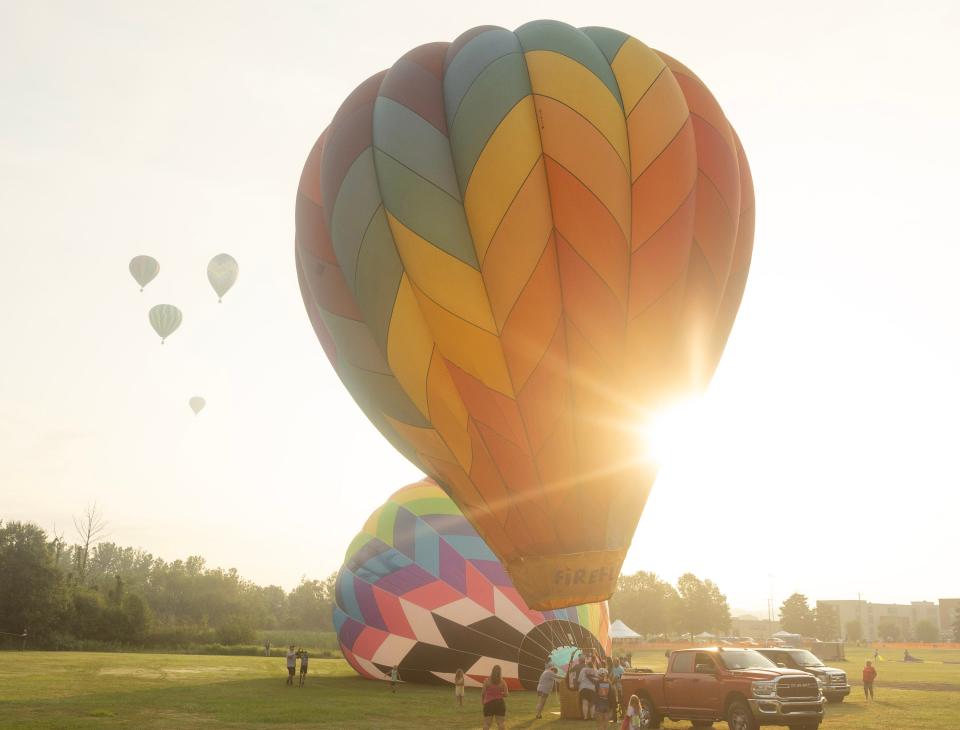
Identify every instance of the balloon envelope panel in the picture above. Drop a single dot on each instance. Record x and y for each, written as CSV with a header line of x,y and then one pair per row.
x,y
515,248
420,589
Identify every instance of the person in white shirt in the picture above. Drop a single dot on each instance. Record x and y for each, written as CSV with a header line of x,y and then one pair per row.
x,y
544,688
588,676
291,664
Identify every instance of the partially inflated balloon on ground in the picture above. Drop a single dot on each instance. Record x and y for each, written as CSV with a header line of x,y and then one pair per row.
x,y
515,248
144,269
222,273
197,404
165,318
421,590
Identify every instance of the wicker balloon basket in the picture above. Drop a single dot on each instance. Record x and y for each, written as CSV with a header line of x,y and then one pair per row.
x,y
569,702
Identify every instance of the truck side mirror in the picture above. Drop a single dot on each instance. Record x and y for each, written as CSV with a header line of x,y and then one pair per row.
x,y
706,669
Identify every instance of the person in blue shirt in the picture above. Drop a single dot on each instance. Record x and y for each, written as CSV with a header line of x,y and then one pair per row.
x,y
616,674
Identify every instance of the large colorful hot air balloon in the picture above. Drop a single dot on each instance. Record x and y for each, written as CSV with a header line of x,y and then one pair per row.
x,y
421,590
515,248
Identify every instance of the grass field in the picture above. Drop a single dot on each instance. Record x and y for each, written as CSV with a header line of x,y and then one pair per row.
x,y
80,690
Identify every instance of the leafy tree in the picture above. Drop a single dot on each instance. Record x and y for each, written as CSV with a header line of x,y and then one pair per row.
x,y
853,630
796,616
32,589
88,618
310,604
826,623
702,607
888,631
645,603
926,631
136,619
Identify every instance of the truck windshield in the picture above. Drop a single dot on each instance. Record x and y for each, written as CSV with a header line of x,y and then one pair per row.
x,y
744,659
805,658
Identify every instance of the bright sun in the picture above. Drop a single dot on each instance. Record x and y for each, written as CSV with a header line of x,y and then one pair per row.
x,y
672,432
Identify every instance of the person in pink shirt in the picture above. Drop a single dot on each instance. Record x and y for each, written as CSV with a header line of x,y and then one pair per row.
x,y
493,698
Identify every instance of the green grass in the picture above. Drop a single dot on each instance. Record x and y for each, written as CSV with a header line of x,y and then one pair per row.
x,y
314,641
112,690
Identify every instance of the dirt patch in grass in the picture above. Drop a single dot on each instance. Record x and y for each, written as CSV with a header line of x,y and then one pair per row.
x,y
131,672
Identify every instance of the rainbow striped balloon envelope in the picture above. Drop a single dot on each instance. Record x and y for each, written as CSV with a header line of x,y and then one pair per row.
x,y
421,590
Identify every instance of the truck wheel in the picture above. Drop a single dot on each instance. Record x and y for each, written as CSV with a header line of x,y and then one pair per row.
x,y
739,717
648,714
836,699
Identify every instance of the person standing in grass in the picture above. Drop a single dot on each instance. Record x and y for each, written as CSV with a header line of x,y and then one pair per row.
x,y
394,678
458,681
544,687
601,705
869,674
586,687
304,661
291,664
632,717
616,677
493,697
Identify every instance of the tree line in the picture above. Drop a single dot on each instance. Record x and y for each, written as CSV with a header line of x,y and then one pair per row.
x,y
78,593
653,607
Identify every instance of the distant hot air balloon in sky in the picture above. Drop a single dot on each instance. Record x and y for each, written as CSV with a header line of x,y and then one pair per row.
x,y
515,249
222,273
165,318
197,404
420,589
144,269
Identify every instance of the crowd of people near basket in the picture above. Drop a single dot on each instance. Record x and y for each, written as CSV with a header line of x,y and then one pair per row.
x,y
597,680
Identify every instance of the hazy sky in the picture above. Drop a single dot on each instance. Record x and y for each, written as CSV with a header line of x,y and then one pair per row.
x,y
826,458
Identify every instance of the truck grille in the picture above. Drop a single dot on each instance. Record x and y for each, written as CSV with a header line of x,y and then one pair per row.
x,y
798,687
838,680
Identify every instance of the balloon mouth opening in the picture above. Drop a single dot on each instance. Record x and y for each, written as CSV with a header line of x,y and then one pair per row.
x,y
561,656
554,643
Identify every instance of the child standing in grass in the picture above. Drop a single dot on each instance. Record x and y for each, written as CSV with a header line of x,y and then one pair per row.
x,y
631,718
869,674
291,664
458,687
304,661
394,678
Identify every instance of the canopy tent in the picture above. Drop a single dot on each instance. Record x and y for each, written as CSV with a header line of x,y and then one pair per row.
x,y
787,638
619,630
705,635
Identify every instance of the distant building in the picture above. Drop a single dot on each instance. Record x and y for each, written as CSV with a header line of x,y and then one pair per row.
x,y
902,615
948,614
755,628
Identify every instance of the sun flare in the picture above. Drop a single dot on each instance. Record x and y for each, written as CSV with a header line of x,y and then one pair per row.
x,y
670,433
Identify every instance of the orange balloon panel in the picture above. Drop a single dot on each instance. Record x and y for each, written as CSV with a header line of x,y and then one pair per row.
x,y
514,248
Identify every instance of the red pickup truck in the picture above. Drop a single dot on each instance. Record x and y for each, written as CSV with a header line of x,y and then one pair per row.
x,y
737,685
